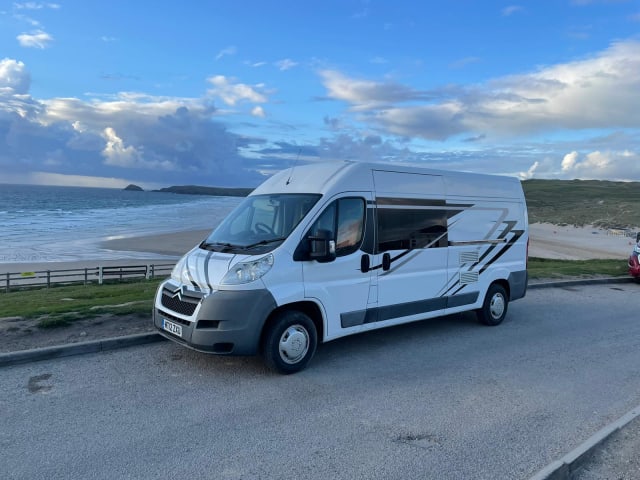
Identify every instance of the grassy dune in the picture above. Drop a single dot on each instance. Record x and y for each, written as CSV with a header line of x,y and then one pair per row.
x,y
584,202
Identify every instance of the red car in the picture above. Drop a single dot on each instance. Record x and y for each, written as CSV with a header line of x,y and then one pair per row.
x,y
634,261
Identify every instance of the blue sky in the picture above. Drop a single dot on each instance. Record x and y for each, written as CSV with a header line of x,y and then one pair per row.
x,y
226,92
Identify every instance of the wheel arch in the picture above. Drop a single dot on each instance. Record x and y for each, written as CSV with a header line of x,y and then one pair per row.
x,y
310,309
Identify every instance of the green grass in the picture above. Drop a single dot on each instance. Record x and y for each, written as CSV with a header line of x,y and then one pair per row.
x,y
545,268
59,306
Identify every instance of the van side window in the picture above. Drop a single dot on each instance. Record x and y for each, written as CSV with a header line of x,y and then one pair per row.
x,y
350,225
344,218
408,228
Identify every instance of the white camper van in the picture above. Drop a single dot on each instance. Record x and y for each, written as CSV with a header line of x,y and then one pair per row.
x,y
326,250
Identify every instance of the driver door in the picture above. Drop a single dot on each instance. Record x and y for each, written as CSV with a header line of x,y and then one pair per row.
x,y
339,285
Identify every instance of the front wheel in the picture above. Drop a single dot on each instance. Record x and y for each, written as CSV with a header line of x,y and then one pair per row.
x,y
290,342
494,308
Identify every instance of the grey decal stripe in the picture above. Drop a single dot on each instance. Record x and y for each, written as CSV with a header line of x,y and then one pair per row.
x,y
193,282
390,312
206,270
518,234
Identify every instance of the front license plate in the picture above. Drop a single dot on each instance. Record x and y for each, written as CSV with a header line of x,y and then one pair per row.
x,y
172,327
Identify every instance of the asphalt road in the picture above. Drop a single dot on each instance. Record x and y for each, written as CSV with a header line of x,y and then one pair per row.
x,y
440,399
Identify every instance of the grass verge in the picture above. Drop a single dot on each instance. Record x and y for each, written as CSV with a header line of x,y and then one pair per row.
x,y
60,306
547,268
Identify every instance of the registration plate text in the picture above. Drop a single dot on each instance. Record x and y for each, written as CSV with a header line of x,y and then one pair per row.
x,y
172,327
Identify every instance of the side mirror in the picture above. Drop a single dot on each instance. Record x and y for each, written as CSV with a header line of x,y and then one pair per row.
x,y
322,246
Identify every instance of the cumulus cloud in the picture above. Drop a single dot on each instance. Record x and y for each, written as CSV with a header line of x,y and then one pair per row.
x,y
258,111
232,93
595,92
164,140
38,39
366,94
615,165
14,78
529,173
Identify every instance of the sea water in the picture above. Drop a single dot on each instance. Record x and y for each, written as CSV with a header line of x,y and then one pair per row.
x,y
50,224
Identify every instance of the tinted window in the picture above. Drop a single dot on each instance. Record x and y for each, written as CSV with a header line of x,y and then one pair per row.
x,y
407,228
344,219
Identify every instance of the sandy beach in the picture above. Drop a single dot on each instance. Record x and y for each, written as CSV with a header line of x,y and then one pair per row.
x,y
168,246
546,241
576,243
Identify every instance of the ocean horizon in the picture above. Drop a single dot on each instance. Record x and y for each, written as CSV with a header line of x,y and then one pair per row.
x,y
57,224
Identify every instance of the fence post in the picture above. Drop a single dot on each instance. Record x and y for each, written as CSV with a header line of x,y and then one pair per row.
x,y
147,271
48,278
85,277
153,271
8,282
100,275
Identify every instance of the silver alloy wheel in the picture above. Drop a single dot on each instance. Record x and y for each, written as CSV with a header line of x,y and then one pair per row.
x,y
294,344
496,307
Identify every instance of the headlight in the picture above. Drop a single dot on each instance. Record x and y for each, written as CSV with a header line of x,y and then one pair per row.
x,y
245,272
180,272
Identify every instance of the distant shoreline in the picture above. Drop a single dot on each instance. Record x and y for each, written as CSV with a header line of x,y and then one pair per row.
x,y
214,191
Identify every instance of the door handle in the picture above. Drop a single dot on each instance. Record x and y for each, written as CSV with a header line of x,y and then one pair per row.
x,y
365,263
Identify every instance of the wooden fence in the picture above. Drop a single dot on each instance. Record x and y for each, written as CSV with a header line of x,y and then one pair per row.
x,y
99,274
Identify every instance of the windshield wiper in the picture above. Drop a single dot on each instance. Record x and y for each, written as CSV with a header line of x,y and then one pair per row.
x,y
264,242
210,246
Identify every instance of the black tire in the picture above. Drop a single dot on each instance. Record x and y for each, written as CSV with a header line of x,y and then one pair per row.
x,y
290,342
495,305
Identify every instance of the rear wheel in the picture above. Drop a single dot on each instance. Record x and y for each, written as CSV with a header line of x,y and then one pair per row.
x,y
290,342
494,308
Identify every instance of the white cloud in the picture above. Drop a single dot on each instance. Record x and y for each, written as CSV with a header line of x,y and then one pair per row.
x,y
232,93
35,6
39,39
286,64
231,50
14,78
596,92
511,9
165,140
258,111
116,153
529,173
366,94
569,161
615,165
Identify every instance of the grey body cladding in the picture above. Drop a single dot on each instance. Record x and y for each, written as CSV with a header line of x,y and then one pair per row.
x,y
389,312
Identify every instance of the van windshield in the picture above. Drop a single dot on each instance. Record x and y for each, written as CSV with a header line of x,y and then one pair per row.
x,y
260,223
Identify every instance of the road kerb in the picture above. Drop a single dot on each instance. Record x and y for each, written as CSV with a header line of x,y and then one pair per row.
x,y
58,351
568,465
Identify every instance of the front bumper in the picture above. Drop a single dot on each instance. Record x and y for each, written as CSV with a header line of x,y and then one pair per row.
x,y
225,322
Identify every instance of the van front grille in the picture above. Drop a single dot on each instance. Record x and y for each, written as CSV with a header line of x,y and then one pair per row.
x,y
183,306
